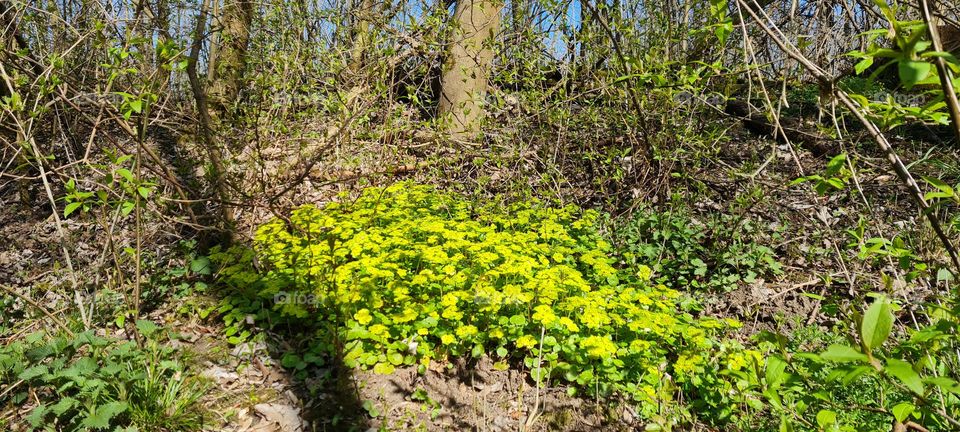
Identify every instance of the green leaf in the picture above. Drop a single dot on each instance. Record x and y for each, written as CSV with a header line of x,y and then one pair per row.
x,y
63,405
70,208
843,354
125,173
33,372
37,414
775,371
200,265
826,418
147,327
383,368
371,408
862,65
902,410
939,184
290,360
136,105
101,415
912,72
127,207
395,359
904,372
877,323
785,425
944,383
836,163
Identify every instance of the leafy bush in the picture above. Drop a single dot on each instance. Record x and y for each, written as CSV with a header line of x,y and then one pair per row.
x,y
88,382
872,380
684,253
407,275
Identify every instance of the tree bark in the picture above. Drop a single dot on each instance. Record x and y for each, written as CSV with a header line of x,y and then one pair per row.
x,y
236,20
464,81
362,30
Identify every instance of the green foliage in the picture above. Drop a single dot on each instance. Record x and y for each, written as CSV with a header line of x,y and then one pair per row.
x,y
716,254
88,382
912,54
834,178
406,275
870,381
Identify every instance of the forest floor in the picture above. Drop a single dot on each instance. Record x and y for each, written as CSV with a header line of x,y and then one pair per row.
x,y
251,391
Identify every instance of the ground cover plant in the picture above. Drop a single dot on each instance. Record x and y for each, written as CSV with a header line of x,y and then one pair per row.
x,y
407,275
87,382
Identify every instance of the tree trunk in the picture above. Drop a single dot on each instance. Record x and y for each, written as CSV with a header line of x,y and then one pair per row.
x,y
228,79
361,35
464,82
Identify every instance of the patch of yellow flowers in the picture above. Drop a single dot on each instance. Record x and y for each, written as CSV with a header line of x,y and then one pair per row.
x,y
409,272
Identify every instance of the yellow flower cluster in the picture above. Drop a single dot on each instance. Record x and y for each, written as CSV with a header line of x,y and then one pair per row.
x,y
407,263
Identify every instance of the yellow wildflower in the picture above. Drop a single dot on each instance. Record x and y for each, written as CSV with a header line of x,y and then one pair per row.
x,y
526,341
466,331
544,314
598,347
363,316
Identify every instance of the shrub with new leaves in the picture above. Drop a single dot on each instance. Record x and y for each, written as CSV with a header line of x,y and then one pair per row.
x,y
408,274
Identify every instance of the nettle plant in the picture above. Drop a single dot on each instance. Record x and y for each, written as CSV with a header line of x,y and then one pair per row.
x,y
716,254
82,382
406,275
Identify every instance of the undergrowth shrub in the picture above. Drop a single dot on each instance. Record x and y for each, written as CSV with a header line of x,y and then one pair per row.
x,y
406,275
87,382
684,253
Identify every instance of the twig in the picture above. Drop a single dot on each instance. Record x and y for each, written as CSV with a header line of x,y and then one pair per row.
x,y
916,194
42,309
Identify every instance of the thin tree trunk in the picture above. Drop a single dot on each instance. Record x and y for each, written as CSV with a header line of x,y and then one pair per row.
x,y
464,82
361,35
235,36
206,135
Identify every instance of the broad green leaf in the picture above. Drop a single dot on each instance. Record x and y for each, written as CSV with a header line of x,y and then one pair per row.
x,y
383,369
395,359
904,372
826,418
902,410
775,371
290,360
944,383
37,414
136,105
147,327
125,173
63,405
877,323
862,65
127,207
842,354
33,372
855,374
836,163
70,208
912,72
200,265
101,415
